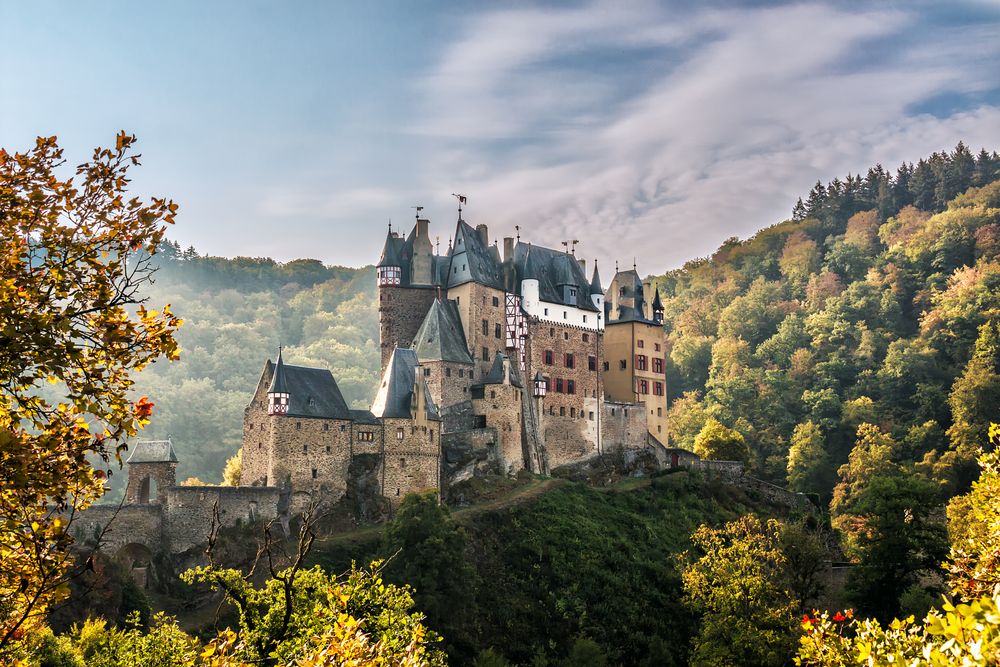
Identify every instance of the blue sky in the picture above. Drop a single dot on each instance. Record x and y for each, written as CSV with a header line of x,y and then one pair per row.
x,y
298,129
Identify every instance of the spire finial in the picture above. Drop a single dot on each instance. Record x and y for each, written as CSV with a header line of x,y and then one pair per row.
x,y
517,230
633,263
437,244
419,209
616,266
390,225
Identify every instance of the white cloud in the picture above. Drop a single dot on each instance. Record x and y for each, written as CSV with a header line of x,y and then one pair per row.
x,y
728,116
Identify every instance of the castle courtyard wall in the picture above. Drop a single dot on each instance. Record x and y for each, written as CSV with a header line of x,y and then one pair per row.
x,y
190,510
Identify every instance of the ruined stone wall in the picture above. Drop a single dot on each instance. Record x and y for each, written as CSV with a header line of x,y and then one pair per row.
x,y
190,509
569,420
147,482
501,405
129,524
401,311
412,458
448,382
478,304
623,425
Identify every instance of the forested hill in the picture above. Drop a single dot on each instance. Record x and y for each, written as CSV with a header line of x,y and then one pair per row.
x,y
878,302
236,312
866,306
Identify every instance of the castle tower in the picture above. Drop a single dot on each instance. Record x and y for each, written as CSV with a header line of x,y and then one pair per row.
x,y
443,353
277,393
422,257
498,399
657,308
152,469
596,290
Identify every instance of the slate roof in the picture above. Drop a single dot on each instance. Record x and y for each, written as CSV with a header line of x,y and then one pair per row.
x,y
312,392
553,269
153,451
391,251
595,282
394,398
628,306
279,385
441,337
472,260
496,374
364,417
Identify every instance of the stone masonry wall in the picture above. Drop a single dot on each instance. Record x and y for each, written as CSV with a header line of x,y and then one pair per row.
x,y
412,458
190,510
313,454
161,476
501,405
129,524
623,425
401,311
258,433
476,304
448,382
569,421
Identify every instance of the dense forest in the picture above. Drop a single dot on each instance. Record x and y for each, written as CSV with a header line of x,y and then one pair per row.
x,y
878,302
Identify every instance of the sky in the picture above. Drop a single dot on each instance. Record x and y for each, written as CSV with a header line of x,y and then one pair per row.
x,y
648,131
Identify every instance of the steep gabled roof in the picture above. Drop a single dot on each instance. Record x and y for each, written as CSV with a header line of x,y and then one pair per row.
x,y
391,251
312,392
394,398
496,374
553,269
595,282
153,451
473,261
279,385
441,337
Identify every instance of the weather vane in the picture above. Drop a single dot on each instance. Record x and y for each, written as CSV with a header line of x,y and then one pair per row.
x,y
461,200
419,209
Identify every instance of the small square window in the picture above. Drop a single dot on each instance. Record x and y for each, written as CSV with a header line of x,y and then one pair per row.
x,y
329,449
586,337
496,301
315,473
447,372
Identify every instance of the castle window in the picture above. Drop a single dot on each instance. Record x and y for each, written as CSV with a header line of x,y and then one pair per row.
x,y
591,415
552,410
570,386
328,449
659,429
312,402
486,328
397,491
657,389
402,463
565,335
640,362
572,413
261,427
458,300
463,267
432,435
548,357
427,372
298,426
486,354
559,385
623,364
465,390
546,312
496,301
659,412
570,360
497,331
305,449
586,337
565,315
642,386
656,347
326,427
343,427
592,363
562,411
552,332
470,373
399,433
447,372
493,394
657,364
612,412
606,366
572,291
315,473
640,343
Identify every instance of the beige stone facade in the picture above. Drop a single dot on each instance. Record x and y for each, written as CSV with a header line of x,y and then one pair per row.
x,y
635,370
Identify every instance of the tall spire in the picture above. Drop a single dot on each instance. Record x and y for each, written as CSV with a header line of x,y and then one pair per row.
x,y
595,282
278,383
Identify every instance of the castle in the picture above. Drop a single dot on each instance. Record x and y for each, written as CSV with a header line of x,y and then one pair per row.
x,y
490,362
520,355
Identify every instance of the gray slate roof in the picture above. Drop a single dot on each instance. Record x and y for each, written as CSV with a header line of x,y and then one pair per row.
x,y
312,392
153,451
496,374
553,269
394,398
595,282
441,337
363,417
473,260
628,306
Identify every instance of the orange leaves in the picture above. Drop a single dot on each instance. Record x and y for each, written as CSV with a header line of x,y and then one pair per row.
x,y
143,409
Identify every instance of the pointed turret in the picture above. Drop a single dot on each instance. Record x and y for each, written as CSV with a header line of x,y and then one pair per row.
x,y
657,307
390,265
595,282
277,393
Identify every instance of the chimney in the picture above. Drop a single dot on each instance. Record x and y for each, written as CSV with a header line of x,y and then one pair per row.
x,y
483,232
583,265
508,248
422,227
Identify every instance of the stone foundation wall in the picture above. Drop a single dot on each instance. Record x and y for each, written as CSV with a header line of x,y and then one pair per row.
x,y
623,425
501,406
313,454
190,509
412,459
129,524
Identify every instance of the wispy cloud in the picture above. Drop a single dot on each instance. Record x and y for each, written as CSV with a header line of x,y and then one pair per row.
x,y
657,131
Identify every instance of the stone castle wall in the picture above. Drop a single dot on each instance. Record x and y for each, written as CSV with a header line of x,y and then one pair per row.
x,y
501,406
412,458
258,432
313,454
161,476
129,524
401,311
190,511
478,304
448,382
623,425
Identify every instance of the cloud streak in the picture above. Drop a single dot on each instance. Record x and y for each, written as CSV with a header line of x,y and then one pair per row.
x,y
655,132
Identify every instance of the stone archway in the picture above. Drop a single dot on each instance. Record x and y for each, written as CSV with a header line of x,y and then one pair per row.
x,y
137,559
147,490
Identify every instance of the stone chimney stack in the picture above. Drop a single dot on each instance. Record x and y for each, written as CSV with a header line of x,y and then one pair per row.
x,y
583,265
484,235
508,248
422,225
